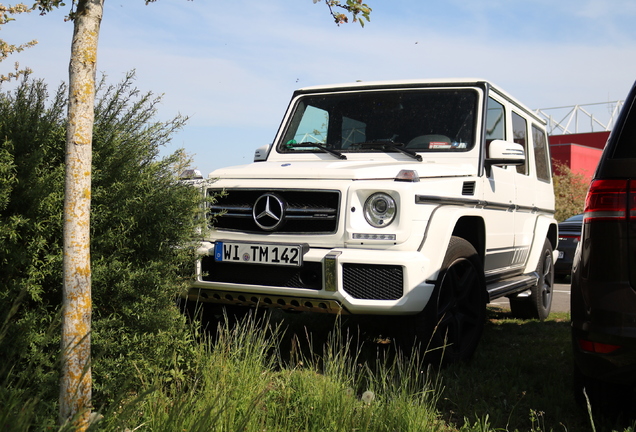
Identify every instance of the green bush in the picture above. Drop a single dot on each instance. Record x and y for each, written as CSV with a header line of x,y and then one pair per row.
x,y
142,223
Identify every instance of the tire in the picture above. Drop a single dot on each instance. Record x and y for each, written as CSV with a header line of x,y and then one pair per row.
x,y
537,304
450,326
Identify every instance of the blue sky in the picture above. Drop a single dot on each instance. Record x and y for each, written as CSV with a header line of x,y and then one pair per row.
x,y
232,66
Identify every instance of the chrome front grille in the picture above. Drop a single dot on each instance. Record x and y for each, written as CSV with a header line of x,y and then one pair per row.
x,y
305,211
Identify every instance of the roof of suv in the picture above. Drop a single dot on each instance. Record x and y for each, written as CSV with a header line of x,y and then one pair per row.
x,y
417,83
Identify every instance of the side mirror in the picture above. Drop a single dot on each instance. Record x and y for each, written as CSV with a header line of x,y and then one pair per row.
x,y
191,174
504,153
191,177
261,153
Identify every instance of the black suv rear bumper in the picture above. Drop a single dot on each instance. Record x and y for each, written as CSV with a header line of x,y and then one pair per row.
x,y
616,367
604,330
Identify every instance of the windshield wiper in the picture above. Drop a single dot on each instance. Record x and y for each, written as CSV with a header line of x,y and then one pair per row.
x,y
318,146
390,145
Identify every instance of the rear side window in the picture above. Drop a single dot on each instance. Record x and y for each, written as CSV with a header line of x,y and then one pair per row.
x,y
541,155
626,147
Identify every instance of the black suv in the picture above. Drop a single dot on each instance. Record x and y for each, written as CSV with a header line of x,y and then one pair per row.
x,y
603,301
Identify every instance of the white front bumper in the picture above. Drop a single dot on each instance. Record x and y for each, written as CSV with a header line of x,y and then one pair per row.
x,y
414,296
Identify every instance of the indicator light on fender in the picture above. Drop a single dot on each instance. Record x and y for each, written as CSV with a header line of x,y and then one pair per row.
x,y
407,176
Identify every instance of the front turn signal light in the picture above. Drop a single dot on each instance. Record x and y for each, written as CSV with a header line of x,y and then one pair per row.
x,y
408,176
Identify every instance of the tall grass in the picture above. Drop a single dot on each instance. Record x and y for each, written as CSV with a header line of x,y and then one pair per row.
x,y
242,383
239,379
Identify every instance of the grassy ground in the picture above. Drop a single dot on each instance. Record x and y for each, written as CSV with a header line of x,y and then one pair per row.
x,y
520,377
285,377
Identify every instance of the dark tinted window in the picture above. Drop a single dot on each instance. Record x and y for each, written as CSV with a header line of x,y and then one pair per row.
x,y
541,154
353,131
421,120
626,147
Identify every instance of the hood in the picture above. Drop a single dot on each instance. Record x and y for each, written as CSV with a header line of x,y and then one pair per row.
x,y
340,170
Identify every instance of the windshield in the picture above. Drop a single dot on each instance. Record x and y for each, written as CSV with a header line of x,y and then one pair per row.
x,y
430,120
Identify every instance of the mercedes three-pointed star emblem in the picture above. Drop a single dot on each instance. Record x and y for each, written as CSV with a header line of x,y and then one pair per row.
x,y
269,212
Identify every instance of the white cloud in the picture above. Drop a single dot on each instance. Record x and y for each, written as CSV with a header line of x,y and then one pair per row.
x,y
599,9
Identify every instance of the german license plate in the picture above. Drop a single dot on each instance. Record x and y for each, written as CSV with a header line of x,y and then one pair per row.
x,y
258,253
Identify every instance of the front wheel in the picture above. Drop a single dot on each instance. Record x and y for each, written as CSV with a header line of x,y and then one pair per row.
x,y
537,303
451,324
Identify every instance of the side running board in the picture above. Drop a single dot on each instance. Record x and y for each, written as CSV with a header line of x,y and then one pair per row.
x,y
511,286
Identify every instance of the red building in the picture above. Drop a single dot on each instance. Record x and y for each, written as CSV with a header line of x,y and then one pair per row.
x,y
580,151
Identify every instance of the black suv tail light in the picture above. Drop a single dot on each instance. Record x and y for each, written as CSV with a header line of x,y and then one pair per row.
x,y
609,225
609,200
597,347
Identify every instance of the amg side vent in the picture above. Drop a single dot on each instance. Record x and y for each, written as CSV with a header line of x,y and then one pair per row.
x,y
373,282
281,211
468,188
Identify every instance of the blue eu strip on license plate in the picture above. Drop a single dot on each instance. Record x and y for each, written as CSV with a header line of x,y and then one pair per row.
x,y
258,253
218,251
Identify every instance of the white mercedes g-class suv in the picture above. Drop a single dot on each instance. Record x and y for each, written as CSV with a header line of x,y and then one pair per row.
x,y
423,200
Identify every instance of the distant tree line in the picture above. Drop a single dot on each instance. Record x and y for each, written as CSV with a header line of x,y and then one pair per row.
x,y
570,189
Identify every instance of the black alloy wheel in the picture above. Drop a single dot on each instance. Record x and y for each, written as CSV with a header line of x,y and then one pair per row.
x,y
538,302
452,323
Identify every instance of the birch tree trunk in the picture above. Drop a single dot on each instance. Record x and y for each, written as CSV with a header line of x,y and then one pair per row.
x,y
76,382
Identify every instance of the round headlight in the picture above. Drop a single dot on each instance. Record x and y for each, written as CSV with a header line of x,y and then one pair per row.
x,y
380,210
